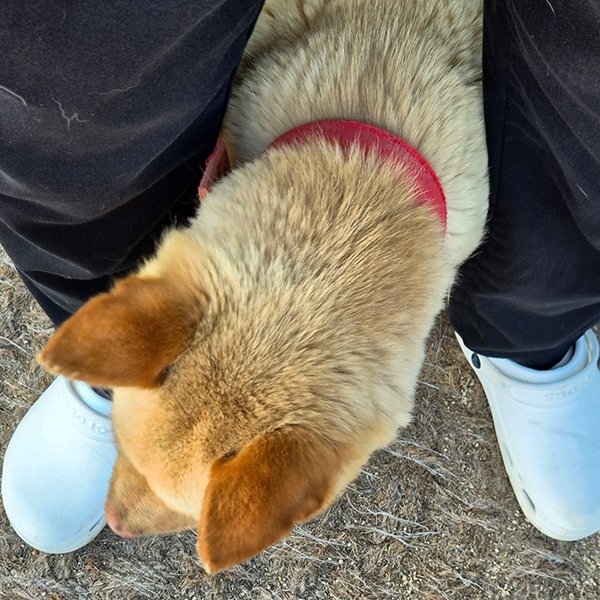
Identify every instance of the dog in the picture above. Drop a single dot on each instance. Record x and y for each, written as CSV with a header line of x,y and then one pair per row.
x,y
265,351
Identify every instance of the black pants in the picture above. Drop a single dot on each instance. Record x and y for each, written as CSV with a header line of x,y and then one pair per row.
x,y
109,112
534,285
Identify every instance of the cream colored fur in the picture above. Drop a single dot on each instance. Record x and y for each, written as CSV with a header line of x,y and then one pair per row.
x,y
411,67
318,272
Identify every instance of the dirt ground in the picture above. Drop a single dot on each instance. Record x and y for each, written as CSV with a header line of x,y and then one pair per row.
x,y
431,517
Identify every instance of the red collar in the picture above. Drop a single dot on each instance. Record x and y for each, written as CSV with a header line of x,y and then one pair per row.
x,y
346,133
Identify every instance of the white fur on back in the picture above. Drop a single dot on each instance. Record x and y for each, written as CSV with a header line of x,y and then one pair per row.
x,y
413,68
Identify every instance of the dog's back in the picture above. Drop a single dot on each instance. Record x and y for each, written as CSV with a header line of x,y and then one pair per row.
x,y
412,68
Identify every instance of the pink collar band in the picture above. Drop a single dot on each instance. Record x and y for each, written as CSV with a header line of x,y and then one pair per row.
x,y
346,134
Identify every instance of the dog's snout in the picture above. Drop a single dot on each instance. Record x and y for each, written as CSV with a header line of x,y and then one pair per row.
x,y
115,522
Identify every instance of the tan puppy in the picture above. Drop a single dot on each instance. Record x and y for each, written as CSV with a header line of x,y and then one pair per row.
x,y
265,352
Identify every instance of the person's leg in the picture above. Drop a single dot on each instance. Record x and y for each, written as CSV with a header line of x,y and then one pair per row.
x,y
108,115
532,290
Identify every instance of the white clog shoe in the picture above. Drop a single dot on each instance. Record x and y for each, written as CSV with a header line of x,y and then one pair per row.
x,y
548,429
57,468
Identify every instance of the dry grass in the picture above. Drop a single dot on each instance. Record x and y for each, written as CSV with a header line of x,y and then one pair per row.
x,y
432,517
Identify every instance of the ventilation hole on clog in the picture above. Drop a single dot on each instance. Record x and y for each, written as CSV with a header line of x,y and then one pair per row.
x,y
529,500
507,454
475,360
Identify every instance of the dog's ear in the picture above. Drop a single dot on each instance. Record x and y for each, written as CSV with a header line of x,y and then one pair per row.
x,y
126,337
254,499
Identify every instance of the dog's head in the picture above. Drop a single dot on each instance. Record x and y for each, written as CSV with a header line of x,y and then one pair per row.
x,y
257,360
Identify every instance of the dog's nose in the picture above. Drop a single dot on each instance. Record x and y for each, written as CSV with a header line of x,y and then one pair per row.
x,y
116,523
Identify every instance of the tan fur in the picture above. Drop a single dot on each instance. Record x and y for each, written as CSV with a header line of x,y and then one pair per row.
x,y
134,507
309,280
253,499
112,340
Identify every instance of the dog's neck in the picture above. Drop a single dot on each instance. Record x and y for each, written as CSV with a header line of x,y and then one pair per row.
x,y
385,145
346,134
324,59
